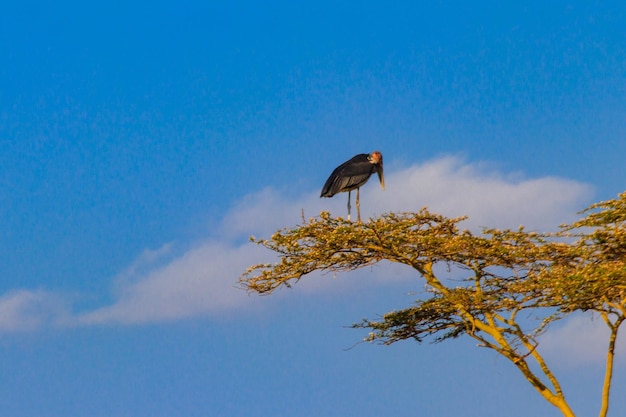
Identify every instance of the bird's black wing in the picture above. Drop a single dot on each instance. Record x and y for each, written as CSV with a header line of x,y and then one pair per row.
x,y
348,176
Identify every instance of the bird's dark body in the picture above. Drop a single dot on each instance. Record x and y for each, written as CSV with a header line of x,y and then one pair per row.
x,y
349,176
353,174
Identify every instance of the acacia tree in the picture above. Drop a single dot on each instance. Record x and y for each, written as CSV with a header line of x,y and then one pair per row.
x,y
488,280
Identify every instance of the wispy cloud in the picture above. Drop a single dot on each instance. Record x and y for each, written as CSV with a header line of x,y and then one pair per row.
x,y
579,340
161,285
490,198
24,310
202,281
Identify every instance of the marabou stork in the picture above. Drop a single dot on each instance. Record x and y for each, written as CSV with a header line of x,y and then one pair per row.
x,y
352,174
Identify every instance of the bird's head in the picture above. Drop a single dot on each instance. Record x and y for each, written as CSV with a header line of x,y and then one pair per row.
x,y
376,158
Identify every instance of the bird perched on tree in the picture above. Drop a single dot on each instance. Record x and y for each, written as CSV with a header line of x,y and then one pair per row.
x,y
353,174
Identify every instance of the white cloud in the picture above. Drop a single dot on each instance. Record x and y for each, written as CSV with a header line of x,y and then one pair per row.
x,y
489,198
202,281
579,340
24,310
161,286
144,262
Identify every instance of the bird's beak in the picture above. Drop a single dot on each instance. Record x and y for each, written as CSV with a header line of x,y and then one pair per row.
x,y
381,176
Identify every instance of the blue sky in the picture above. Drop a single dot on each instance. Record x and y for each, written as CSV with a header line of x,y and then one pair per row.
x,y
141,144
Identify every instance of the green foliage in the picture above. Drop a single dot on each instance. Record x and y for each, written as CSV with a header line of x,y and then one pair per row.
x,y
581,268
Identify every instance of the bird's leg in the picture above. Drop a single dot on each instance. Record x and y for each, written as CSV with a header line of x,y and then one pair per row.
x,y
349,205
358,206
